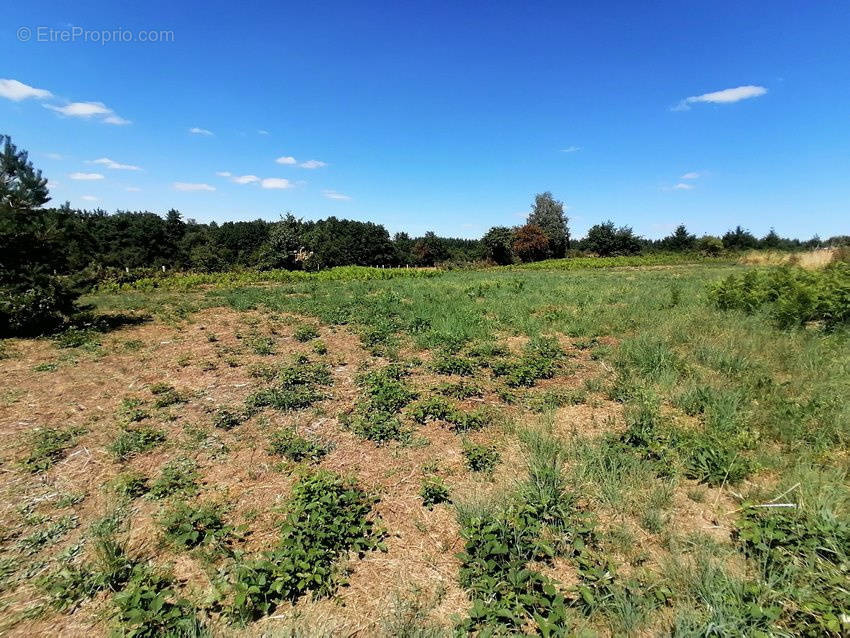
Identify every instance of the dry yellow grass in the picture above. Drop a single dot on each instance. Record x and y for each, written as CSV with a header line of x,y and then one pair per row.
x,y
812,259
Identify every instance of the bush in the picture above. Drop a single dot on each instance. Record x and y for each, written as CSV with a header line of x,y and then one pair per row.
x,y
792,296
42,307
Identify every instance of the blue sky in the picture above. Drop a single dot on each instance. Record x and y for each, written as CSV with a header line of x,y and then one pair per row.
x,y
444,116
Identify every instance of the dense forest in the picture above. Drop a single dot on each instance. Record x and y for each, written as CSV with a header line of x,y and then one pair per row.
x,y
50,254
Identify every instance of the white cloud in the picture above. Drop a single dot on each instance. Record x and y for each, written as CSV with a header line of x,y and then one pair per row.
x,y
223,173
133,189
108,163
726,96
116,119
335,195
571,149
285,159
87,110
262,132
681,186
199,131
54,156
691,175
17,91
276,182
246,179
189,186
86,176
313,164
89,198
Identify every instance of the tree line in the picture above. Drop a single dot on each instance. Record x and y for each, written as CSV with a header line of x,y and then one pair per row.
x,y
49,255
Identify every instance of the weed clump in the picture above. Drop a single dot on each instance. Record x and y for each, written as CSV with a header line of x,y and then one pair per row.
x,y
540,360
449,364
135,440
179,476
328,517
130,485
434,492
385,394
305,333
226,419
297,387
480,458
289,444
187,526
48,446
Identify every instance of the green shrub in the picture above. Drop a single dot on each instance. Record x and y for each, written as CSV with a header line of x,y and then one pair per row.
x,y
48,445
296,448
37,307
480,458
328,517
305,333
320,347
434,492
131,410
179,476
132,441
792,296
187,526
263,346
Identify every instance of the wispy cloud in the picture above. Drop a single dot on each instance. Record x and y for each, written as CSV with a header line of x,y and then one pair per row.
x,y
726,96
89,198
285,159
313,164
190,186
335,195
108,163
17,91
223,173
262,131
245,179
88,110
195,130
276,182
690,175
86,176
54,156
571,149
681,186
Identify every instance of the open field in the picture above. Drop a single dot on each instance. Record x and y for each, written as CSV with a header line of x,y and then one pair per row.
x,y
543,451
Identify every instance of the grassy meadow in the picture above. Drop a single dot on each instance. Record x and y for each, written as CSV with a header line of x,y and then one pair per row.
x,y
557,450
